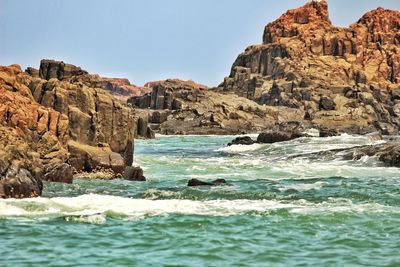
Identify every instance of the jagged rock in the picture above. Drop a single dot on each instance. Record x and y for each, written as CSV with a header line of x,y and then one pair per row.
x,y
57,69
134,174
40,112
63,173
196,182
94,115
198,110
242,140
319,60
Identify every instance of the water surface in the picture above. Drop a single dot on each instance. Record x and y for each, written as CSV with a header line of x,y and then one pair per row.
x,y
284,205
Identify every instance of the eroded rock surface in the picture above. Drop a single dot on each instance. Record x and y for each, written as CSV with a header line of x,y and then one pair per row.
x,y
55,121
343,78
182,107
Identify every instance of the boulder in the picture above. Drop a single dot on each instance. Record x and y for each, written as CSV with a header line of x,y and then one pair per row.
x,y
242,140
134,174
63,173
271,137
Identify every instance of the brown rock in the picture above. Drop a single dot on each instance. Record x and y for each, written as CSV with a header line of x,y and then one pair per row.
x,y
134,174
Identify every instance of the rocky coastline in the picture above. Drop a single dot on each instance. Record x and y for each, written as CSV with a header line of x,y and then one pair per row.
x,y
57,121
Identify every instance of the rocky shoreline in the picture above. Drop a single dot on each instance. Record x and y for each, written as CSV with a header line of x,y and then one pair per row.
x,y
58,121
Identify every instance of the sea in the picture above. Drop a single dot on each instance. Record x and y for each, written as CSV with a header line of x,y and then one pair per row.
x,y
284,204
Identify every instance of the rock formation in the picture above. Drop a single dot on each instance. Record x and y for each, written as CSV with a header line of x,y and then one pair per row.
x,y
122,89
59,120
34,139
306,70
344,78
182,107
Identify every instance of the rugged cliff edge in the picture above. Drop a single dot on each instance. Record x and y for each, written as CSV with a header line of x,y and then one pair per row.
x,y
345,78
56,121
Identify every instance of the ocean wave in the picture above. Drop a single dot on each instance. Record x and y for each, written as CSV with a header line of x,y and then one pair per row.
x,y
240,148
94,208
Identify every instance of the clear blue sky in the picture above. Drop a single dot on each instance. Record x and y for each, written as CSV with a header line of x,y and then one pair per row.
x,y
147,40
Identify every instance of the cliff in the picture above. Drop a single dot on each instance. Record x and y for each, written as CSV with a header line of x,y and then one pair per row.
x,y
59,120
338,77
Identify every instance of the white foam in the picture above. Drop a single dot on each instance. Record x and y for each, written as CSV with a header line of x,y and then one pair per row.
x,y
94,208
303,187
240,148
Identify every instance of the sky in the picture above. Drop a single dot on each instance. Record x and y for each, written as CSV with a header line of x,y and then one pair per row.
x,y
148,40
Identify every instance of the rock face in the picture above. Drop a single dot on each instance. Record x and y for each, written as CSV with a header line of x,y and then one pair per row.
x,y
182,107
56,121
33,143
96,119
344,78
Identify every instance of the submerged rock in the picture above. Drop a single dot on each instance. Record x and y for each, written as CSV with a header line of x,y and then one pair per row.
x,y
196,182
242,140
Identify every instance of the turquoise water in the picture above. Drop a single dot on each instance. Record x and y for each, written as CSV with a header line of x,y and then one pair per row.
x,y
284,205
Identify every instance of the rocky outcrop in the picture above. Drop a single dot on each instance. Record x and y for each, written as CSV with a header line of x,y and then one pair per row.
x,y
55,122
343,78
119,88
180,107
96,119
33,143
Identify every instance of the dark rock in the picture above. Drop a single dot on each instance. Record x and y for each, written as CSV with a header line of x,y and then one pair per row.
x,y
19,183
361,77
142,126
134,174
159,117
391,158
32,72
243,140
328,132
150,133
57,69
196,182
277,136
61,174
326,103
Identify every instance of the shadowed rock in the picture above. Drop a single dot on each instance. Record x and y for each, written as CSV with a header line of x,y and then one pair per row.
x,y
243,140
134,174
196,182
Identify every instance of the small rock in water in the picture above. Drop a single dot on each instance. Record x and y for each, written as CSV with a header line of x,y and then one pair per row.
x,y
196,182
328,132
242,140
134,174
278,136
